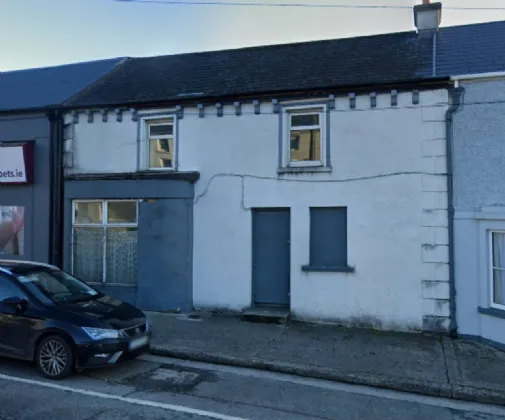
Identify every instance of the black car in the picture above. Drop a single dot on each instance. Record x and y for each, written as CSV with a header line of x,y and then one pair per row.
x,y
50,317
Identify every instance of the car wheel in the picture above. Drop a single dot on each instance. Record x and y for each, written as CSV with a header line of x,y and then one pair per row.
x,y
55,357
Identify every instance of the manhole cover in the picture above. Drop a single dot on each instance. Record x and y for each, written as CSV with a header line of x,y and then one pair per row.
x,y
171,378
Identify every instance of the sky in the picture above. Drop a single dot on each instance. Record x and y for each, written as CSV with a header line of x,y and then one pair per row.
x,y
39,33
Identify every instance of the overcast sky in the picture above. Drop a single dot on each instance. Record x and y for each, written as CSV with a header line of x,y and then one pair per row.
x,y
36,33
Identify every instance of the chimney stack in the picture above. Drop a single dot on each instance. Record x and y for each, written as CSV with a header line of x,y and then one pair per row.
x,y
427,16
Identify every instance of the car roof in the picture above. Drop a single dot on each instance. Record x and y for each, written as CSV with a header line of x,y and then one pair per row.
x,y
20,267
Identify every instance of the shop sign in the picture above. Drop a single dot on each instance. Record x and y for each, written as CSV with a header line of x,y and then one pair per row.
x,y
16,163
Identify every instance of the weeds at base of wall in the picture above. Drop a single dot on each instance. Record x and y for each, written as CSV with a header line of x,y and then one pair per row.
x,y
365,322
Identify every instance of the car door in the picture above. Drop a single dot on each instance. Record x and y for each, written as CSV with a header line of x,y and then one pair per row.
x,y
16,324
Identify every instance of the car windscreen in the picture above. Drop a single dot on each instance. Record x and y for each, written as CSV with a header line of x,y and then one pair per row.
x,y
57,286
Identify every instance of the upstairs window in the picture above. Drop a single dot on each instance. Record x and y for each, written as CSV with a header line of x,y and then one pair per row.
x,y
159,143
305,136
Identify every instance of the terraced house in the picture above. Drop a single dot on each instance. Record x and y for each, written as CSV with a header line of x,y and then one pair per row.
x,y
314,179
301,176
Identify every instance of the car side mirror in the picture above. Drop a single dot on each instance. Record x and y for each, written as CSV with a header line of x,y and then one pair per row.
x,y
19,304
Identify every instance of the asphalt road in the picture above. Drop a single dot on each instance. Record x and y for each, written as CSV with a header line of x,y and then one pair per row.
x,y
159,388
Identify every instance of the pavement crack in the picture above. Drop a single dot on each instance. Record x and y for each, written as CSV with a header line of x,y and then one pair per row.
x,y
267,344
446,365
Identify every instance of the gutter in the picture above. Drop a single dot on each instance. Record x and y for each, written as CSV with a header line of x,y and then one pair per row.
x,y
456,95
56,198
419,83
477,76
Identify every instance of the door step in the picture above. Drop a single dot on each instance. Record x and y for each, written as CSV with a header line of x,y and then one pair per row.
x,y
266,315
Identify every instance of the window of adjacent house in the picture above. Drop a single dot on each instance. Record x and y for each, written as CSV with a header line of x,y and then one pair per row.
x,y
498,269
328,237
104,241
305,136
160,143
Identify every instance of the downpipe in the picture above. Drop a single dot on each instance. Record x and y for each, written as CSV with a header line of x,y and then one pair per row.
x,y
456,95
56,202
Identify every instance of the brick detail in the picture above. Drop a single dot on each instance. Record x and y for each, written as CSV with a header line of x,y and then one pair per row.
x,y
436,307
435,253
435,222
433,147
437,324
434,183
435,289
435,272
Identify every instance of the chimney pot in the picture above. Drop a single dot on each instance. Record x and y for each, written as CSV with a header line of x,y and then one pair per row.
x,y
427,16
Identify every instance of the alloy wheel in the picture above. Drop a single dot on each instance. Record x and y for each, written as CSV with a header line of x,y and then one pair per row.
x,y
53,358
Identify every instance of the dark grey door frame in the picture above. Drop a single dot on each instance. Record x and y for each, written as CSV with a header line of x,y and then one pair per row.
x,y
254,213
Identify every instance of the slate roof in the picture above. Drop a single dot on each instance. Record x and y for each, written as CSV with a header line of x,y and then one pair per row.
x,y
290,67
470,49
49,86
349,62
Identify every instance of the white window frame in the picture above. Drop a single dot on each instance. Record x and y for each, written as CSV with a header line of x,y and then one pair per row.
x,y
288,111
104,225
146,140
492,268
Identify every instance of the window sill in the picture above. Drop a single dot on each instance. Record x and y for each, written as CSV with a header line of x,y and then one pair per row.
x,y
327,269
304,170
497,313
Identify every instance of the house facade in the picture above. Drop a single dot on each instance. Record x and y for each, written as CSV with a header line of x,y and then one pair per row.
x,y
479,203
334,207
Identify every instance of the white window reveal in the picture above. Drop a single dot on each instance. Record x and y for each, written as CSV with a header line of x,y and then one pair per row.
x,y
305,136
159,142
104,241
498,269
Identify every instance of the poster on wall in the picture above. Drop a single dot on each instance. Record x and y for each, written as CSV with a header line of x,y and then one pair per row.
x,y
12,231
16,163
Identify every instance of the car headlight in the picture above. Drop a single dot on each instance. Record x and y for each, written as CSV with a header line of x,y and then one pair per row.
x,y
100,333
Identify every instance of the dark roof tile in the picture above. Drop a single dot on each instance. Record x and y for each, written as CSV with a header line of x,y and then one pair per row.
x,y
49,86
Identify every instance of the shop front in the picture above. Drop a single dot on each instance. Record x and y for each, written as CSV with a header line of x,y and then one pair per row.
x,y
25,188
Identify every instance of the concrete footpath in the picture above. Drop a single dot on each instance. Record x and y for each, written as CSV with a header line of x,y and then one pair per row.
x,y
429,365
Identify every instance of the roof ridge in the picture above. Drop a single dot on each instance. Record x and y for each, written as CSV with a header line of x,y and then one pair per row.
x,y
98,80
77,63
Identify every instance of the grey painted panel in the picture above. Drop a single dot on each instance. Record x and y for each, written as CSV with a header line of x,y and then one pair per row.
x,y
130,188
23,127
271,256
36,197
328,236
165,238
67,234
165,251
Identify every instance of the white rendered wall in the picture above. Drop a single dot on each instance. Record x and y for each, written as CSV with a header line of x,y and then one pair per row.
x,y
383,165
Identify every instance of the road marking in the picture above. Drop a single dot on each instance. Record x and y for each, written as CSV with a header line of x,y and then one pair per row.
x,y
333,386
152,404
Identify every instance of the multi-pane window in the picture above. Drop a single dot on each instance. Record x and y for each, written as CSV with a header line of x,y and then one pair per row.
x,y
104,241
305,136
160,147
498,269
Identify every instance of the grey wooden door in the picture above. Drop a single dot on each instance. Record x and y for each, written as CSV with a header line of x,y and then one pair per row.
x,y
164,255
271,257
